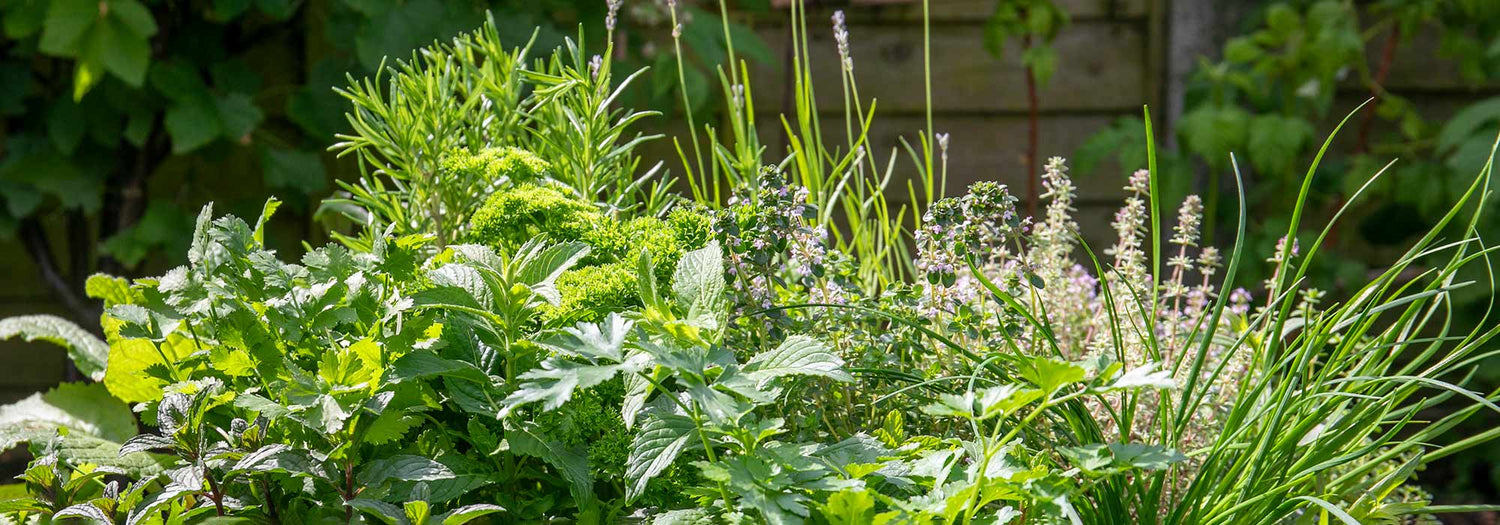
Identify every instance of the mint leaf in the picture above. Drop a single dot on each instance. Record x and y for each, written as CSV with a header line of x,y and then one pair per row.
x,y
571,462
467,513
403,468
661,438
797,355
699,282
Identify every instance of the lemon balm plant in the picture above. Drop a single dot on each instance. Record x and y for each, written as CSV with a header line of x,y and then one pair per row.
x,y
525,329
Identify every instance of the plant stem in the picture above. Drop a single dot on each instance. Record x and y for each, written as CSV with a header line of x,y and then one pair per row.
x,y
1033,121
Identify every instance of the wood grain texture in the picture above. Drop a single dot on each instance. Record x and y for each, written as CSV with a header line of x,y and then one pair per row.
x,y
980,148
969,10
1101,67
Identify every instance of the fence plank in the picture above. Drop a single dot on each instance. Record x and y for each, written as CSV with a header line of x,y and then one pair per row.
x,y
971,10
980,148
1101,66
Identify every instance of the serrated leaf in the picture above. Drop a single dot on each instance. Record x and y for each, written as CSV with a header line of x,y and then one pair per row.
x,y
387,512
146,443
573,463
276,457
1275,142
1143,456
555,381
698,282
83,409
594,341
661,438
85,511
540,269
467,513
850,507
466,278
90,354
391,426
421,365
1104,459
1051,374
637,389
1004,400
266,211
87,450
126,375
260,405
110,289
1144,376
797,355
404,468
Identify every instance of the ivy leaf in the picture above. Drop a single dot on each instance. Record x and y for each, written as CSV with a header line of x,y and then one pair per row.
x,y
192,122
661,438
300,171
403,468
797,355
237,115
87,352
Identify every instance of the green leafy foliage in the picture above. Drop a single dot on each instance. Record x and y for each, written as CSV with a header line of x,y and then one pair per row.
x,y
597,352
87,351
